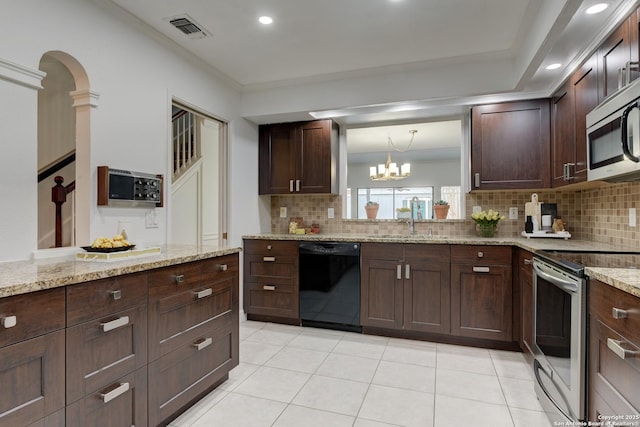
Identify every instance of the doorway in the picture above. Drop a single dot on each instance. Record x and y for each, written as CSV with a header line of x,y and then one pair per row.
x,y
198,187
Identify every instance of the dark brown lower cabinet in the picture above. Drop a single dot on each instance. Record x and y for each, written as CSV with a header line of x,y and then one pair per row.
x,y
405,287
481,292
193,333
122,403
271,280
614,354
138,349
95,357
32,381
191,370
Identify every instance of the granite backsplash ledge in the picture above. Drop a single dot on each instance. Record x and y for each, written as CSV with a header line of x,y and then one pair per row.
x,y
598,212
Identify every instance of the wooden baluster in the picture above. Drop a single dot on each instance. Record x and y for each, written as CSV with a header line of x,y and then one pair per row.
x,y
58,196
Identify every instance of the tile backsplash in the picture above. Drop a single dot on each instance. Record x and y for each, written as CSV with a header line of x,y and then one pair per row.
x,y
594,211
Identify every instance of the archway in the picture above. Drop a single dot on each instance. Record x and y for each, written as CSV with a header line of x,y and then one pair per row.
x,y
80,100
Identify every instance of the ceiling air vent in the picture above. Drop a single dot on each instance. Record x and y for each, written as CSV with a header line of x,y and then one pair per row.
x,y
188,26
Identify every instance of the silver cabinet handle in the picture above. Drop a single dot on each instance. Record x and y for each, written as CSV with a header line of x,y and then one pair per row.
x,y
114,324
179,278
621,352
297,185
204,293
203,343
116,295
481,269
9,322
268,247
291,186
619,313
477,179
528,261
407,271
223,267
399,272
112,394
480,254
268,258
268,288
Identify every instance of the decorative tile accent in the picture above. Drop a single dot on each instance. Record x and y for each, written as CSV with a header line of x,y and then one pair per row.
x,y
598,212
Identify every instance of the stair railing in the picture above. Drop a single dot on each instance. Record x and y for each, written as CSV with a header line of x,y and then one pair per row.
x,y
186,149
59,197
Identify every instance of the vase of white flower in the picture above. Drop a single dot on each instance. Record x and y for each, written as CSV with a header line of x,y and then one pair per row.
x,y
487,222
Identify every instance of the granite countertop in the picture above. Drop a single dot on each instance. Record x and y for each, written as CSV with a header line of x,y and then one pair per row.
x,y
533,244
21,277
626,279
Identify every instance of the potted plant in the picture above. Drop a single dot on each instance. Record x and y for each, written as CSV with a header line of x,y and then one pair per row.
x,y
441,209
372,209
403,213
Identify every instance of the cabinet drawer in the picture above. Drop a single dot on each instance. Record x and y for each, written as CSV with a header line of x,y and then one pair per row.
x,y
281,269
101,298
481,255
100,351
36,313
191,369
270,299
271,247
615,368
121,403
183,275
218,268
31,379
173,315
431,253
604,299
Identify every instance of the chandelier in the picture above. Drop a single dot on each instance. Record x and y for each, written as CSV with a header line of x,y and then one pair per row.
x,y
389,170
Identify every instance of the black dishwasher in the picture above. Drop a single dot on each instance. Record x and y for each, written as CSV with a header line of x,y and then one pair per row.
x,y
330,285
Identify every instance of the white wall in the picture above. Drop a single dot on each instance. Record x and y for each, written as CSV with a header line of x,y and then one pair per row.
x,y
135,76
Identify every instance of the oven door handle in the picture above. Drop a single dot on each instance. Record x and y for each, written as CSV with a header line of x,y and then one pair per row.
x,y
537,367
565,285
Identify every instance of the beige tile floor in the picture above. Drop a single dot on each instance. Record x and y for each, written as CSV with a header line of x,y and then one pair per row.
x,y
305,377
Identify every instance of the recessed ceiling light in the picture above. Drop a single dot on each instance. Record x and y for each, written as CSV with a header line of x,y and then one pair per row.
x,y
597,8
553,66
266,20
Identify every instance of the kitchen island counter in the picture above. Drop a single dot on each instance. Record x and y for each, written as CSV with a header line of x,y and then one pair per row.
x,y
21,277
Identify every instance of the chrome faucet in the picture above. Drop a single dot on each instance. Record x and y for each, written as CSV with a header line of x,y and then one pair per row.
x,y
412,225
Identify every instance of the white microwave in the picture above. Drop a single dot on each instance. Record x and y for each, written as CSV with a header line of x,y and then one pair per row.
x,y
613,137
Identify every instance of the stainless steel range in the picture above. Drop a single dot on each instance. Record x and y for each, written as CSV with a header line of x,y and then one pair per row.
x,y
560,328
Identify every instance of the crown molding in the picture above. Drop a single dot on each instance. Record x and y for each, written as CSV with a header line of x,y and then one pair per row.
x,y
19,74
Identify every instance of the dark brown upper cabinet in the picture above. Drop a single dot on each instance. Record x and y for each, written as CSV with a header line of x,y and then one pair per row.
x,y
614,57
298,158
510,145
569,108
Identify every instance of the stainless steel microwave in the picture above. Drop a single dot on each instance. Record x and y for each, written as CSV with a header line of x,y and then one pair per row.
x,y
613,137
